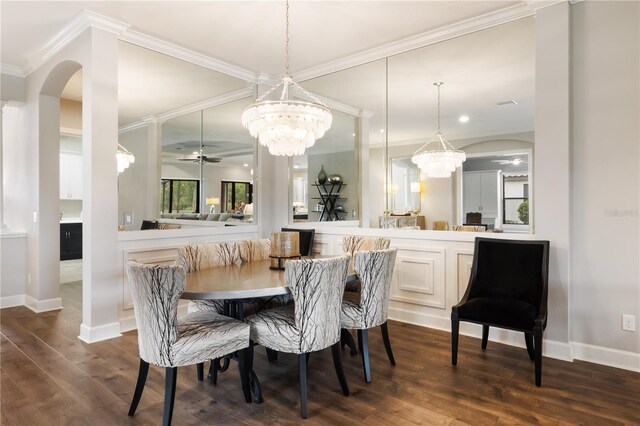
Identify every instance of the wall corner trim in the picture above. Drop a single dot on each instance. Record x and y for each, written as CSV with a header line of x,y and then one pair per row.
x,y
46,305
12,301
99,333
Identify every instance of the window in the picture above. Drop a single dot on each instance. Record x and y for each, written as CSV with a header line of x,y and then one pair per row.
x,y
515,203
180,196
235,195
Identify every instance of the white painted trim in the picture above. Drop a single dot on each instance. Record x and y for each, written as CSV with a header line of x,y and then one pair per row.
x,y
70,131
39,306
208,103
83,20
13,70
161,46
447,32
5,234
99,333
606,356
132,126
541,4
336,105
12,301
205,104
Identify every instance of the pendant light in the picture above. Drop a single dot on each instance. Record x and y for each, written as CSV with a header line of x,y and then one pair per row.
x,y
285,126
438,158
124,158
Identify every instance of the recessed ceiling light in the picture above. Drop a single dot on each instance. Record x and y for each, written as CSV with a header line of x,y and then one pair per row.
x,y
195,153
246,165
295,166
516,161
463,118
353,134
381,130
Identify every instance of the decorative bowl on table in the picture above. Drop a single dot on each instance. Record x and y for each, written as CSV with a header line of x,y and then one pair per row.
x,y
335,178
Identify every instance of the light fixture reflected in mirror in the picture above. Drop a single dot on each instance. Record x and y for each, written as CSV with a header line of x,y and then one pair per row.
x,y
438,158
125,158
212,201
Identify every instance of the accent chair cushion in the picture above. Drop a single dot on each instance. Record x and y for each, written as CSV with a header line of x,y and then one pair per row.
x,y
508,313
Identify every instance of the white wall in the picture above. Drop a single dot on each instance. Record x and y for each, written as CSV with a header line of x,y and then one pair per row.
x,y
343,164
605,158
133,185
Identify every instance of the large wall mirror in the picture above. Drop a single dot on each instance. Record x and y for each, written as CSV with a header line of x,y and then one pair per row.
x,y
187,164
487,110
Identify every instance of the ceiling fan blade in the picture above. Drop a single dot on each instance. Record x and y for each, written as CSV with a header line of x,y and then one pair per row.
x,y
212,159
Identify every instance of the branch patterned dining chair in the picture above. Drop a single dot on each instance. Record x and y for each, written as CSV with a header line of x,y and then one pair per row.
x,y
369,308
353,243
508,289
312,323
171,342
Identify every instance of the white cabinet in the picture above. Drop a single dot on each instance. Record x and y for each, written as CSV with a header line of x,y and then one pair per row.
x,y
481,193
70,176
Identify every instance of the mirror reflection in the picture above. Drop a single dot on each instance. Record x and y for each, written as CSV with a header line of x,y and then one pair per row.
x,y
405,187
487,109
190,164
207,166
325,179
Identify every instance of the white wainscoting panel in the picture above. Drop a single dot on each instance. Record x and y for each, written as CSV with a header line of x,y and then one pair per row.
x,y
464,262
419,276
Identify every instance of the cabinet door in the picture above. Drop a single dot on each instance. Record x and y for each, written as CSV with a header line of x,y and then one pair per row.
x,y
64,177
472,193
75,241
489,202
64,243
75,177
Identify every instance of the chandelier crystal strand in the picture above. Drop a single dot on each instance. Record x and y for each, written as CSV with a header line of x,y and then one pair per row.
x,y
438,158
124,158
287,127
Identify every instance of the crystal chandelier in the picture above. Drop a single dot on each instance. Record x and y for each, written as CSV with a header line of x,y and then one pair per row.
x,y
287,127
438,158
125,158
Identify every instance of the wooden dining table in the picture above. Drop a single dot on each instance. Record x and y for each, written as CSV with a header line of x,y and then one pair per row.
x,y
234,284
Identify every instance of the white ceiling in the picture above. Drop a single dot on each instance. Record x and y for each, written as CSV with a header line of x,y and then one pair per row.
x,y
249,34
479,69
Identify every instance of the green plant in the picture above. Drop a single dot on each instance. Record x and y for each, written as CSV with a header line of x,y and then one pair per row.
x,y
523,212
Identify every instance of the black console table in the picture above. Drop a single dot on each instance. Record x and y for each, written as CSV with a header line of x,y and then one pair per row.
x,y
329,195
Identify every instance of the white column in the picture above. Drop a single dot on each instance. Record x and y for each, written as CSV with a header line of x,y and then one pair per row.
x,y
2,224
552,157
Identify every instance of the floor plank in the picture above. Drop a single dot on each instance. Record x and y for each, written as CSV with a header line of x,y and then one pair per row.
x,y
49,376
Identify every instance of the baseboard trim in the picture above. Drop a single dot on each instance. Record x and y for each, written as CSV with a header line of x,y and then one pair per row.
x,y
100,333
606,356
46,305
12,301
550,348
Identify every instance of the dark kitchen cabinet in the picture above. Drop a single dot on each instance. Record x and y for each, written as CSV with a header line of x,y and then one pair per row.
x,y
70,241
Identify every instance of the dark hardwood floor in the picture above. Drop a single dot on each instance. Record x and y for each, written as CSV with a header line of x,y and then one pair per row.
x,y
49,377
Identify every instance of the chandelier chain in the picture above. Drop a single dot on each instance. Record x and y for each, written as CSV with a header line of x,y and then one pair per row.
x,y
286,69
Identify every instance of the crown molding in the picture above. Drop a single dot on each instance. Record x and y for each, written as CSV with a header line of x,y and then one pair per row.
x,y
197,106
502,16
13,70
188,55
83,20
541,4
335,105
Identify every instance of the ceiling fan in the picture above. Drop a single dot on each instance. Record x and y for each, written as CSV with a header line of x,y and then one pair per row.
x,y
514,162
202,159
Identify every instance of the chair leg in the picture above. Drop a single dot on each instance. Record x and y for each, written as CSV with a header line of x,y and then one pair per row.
x,y
485,336
455,328
387,343
200,368
528,340
272,356
347,339
302,368
245,362
537,344
169,394
337,363
214,371
142,379
363,342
